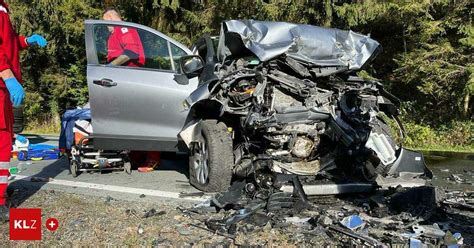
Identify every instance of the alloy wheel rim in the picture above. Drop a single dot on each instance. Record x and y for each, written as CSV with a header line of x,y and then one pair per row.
x,y
201,162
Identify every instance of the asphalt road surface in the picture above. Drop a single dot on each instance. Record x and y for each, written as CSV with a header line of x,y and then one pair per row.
x,y
170,179
164,184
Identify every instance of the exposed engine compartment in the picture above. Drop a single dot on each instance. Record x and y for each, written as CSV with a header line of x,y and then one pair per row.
x,y
284,114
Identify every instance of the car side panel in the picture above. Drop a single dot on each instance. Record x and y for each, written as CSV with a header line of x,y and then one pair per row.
x,y
144,110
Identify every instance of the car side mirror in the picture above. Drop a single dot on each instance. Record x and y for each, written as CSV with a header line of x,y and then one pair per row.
x,y
191,65
181,79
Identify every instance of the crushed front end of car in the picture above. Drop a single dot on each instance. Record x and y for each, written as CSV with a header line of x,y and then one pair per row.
x,y
293,106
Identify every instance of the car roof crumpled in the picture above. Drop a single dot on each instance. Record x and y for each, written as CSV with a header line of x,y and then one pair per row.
x,y
324,47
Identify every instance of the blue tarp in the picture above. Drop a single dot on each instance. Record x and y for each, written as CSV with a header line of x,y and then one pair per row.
x,y
66,139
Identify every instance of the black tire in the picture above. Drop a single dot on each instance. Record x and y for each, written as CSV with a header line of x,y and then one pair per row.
x,y
220,158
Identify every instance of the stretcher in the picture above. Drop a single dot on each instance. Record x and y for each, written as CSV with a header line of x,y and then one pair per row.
x,y
83,157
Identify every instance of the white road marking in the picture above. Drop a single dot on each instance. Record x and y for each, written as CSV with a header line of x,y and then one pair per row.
x,y
121,189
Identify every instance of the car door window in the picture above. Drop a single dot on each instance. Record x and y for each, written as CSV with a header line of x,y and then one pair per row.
x,y
142,48
177,53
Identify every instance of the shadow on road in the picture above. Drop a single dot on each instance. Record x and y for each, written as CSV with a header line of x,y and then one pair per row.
x,y
38,139
174,162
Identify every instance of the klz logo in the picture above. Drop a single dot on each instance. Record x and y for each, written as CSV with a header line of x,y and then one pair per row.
x,y
25,224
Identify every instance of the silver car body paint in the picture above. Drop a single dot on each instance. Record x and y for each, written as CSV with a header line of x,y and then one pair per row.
x,y
145,110
317,45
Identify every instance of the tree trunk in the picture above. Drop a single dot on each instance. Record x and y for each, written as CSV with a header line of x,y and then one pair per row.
x,y
466,105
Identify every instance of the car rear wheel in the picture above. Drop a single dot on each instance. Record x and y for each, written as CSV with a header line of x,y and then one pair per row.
x,y
211,161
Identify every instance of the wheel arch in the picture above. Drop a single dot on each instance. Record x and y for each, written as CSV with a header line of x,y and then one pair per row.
x,y
203,110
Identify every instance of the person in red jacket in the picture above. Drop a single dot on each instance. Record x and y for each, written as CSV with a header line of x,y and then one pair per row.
x,y
124,48
11,93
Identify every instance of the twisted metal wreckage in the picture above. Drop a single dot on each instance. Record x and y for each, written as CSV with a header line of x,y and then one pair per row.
x,y
297,113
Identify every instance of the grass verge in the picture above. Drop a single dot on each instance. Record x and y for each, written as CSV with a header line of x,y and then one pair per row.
x,y
49,126
457,136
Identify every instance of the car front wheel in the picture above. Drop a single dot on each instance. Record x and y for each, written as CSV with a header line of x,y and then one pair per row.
x,y
211,161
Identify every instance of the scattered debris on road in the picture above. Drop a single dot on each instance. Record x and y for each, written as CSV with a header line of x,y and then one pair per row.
x,y
417,216
248,214
152,212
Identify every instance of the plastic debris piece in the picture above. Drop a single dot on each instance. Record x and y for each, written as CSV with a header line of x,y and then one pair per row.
x,y
13,170
430,231
152,212
453,240
203,204
410,235
325,220
449,239
140,230
456,178
459,238
229,197
297,221
353,222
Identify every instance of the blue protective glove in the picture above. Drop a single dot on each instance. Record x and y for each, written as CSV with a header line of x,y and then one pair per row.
x,y
21,139
36,39
17,94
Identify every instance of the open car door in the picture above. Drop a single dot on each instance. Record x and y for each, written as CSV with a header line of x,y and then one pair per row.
x,y
138,106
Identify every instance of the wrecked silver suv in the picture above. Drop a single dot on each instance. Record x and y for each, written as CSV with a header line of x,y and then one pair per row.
x,y
280,102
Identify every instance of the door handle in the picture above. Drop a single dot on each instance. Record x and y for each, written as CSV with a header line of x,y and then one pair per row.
x,y
105,82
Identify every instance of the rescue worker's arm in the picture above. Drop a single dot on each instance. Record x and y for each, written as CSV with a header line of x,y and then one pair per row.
x,y
17,94
22,41
6,74
35,39
5,65
120,60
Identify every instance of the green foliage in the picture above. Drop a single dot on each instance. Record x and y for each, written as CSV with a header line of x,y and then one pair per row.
x,y
457,135
55,77
436,73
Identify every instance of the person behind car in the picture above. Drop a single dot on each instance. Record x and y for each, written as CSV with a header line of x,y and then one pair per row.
x,y
124,45
11,93
124,48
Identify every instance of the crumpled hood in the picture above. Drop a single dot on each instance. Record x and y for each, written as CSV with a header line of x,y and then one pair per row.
x,y
316,45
